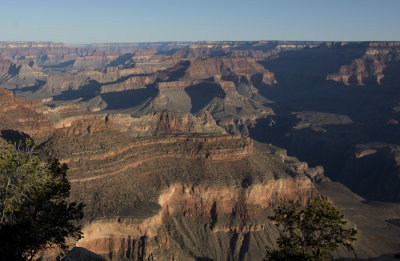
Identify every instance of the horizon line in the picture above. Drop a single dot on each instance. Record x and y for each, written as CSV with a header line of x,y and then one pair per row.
x,y
196,41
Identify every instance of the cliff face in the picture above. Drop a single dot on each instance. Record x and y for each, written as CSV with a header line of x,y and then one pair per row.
x,y
321,121
145,81
134,82
159,190
57,84
192,219
220,186
97,59
211,67
359,71
5,66
26,116
255,49
143,128
54,54
370,67
165,123
40,122
175,196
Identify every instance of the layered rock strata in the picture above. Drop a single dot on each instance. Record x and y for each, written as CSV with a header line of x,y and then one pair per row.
x,y
370,67
174,197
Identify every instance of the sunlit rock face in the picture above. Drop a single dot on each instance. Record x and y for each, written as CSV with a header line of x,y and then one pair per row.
x,y
171,145
175,196
192,219
370,68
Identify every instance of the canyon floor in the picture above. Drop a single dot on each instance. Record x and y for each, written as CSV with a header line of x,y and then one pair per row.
x,y
181,150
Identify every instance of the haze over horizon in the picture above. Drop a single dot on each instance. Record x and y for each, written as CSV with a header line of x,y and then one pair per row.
x,y
151,145
159,21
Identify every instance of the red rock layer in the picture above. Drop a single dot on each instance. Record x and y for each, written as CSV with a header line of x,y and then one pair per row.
x,y
148,238
210,67
25,116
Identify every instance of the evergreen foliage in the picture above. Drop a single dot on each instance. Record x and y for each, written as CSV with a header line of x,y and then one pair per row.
x,y
312,233
34,211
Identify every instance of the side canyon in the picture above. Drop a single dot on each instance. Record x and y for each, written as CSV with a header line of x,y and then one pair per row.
x,y
181,150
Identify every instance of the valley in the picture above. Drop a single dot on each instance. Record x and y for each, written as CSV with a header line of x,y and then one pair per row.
x,y
180,150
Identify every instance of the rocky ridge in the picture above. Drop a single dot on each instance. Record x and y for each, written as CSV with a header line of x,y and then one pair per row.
x,y
161,190
211,177
370,67
143,129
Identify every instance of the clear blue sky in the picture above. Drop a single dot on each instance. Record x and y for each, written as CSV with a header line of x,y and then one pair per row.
x,y
88,21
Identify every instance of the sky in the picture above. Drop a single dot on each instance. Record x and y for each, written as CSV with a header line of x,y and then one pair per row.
x,y
101,21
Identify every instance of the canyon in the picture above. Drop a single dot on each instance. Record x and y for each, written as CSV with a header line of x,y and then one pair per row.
x,y
181,150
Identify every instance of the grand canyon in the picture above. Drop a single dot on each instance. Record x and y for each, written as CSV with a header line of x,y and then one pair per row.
x,y
181,150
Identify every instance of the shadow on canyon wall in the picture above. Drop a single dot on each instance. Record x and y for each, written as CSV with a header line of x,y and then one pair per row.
x,y
202,94
79,253
14,136
302,87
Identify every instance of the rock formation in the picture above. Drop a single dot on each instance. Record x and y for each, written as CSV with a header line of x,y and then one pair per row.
x,y
167,142
173,196
370,67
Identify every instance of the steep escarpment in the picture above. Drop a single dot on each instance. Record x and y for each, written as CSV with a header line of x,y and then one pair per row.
x,y
40,122
97,59
146,80
223,87
80,84
165,123
58,55
194,222
27,76
134,82
187,197
370,67
255,49
124,153
143,128
211,67
5,69
24,116
44,53
322,120
222,184
176,196
36,120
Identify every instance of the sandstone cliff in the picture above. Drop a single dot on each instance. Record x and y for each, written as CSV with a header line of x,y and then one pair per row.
x,y
165,123
25,116
211,67
160,177
175,197
370,67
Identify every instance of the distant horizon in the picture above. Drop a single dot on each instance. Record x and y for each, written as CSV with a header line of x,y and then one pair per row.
x,y
103,21
199,41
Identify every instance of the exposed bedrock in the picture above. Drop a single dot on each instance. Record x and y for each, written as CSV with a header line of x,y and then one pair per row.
x,y
371,67
219,223
25,116
164,123
174,196
179,196
143,129
322,121
40,122
210,67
